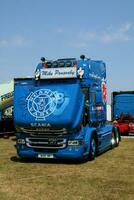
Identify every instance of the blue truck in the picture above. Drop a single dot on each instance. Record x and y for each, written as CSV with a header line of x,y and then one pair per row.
x,y
123,111
60,113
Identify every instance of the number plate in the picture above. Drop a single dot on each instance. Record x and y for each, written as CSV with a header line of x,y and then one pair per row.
x,y
45,156
131,124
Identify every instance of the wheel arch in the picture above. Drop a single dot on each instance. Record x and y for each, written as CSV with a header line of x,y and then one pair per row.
x,y
93,150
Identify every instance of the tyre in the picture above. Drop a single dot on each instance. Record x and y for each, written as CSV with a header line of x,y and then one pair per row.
x,y
117,137
93,147
113,141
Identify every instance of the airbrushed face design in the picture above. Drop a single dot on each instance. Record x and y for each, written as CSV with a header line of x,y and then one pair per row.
x,y
104,92
42,103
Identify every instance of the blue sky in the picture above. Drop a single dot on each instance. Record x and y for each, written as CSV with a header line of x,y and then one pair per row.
x,y
100,29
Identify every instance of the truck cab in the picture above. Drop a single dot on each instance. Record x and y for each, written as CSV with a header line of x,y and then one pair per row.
x,y
123,111
60,113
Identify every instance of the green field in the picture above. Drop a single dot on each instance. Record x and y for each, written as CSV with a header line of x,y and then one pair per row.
x,y
110,176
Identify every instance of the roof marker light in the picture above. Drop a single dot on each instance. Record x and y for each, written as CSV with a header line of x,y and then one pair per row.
x,y
55,64
75,63
43,62
44,65
68,63
49,64
61,64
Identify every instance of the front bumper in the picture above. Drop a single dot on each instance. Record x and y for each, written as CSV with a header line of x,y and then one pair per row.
x,y
70,152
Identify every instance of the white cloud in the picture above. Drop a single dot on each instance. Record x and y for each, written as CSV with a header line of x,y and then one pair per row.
x,y
83,39
119,35
126,27
110,35
15,41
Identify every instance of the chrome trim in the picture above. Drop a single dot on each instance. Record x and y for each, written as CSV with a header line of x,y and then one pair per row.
x,y
44,131
30,142
108,133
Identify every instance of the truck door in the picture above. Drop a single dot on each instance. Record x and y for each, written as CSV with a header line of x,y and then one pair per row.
x,y
92,106
97,115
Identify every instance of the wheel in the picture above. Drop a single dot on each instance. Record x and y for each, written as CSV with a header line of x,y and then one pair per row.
x,y
117,137
93,146
113,140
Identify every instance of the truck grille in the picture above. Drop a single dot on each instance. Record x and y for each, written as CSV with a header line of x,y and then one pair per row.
x,y
46,143
42,131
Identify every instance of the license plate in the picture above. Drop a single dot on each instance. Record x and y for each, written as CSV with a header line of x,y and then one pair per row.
x,y
45,156
131,124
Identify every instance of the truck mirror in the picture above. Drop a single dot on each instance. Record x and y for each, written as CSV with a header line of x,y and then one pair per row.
x,y
87,103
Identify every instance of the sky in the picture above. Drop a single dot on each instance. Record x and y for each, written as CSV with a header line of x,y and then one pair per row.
x,y
100,29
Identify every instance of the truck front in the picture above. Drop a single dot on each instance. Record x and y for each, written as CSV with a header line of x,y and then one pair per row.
x,y
48,112
123,111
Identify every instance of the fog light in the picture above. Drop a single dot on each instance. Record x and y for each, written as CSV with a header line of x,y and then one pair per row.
x,y
75,142
20,141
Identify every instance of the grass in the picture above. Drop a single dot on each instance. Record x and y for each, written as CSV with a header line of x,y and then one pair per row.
x,y
109,177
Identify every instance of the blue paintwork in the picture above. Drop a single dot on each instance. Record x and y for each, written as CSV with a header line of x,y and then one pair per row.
x,y
63,111
46,105
123,103
72,152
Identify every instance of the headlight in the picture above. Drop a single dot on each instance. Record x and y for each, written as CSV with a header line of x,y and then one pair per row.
x,y
20,141
75,142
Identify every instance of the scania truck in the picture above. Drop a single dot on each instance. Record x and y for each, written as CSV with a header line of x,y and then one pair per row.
x,y
60,113
123,111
